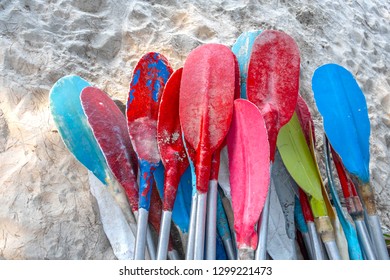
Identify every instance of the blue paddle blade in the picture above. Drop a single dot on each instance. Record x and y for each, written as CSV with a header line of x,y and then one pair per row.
x,y
222,221
299,218
344,110
242,49
220,249
354,250
182,207
72,124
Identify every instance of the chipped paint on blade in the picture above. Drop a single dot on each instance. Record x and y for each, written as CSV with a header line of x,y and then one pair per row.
x,y
343,107
206,103
110,130
170,142
249,166
273,80
147,84
242,48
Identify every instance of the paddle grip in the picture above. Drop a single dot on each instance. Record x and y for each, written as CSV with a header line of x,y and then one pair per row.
x,y
325,228
368,198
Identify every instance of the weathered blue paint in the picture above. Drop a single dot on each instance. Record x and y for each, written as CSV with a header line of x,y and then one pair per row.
x,y
242,49
220,253
146,183
299,218
343,107
222,221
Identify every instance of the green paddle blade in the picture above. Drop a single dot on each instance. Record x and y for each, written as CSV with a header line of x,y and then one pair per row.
x,y
300,164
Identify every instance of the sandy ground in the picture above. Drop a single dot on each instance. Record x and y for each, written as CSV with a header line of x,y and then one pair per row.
x,y
46,208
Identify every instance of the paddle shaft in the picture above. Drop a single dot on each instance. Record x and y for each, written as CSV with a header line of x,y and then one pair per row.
x,y
200,226
163,239
140,240
211,220
192,228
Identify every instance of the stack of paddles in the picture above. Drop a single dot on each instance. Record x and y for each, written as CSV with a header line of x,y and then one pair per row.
x,y
217,160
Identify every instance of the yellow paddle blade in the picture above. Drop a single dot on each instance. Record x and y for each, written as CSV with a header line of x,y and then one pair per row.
x,y
300,163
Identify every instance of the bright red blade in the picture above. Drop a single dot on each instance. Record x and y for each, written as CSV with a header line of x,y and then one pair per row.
x,y
273,80
170,141
110,130
249,166
206,103
307,213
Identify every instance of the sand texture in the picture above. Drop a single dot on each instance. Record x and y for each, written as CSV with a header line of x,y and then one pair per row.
x,y
47,210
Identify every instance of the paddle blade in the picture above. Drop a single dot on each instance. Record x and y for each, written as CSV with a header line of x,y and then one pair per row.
x,y
206,103
170,142
73,127
109,127
344,110
249,166
298,159
273,80
147,84
242,48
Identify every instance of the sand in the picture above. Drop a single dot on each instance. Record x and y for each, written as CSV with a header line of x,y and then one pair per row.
x,y
46,208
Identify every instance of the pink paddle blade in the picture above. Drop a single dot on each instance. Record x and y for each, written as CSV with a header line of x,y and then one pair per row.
x,y
149,78
206,103
273,80
110,130
170,141
249,166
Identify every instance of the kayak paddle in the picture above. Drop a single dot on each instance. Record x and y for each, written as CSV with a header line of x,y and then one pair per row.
x,y
354,249
149,77
272,85
248,150
307,124
72,124
301,165
172,152
224,230
206,105
343,107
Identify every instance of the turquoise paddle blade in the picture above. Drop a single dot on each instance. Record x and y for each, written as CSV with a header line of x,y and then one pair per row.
x,y
242,48
344,110
72,124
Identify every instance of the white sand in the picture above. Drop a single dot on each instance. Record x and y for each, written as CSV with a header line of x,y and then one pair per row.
x,y
46,208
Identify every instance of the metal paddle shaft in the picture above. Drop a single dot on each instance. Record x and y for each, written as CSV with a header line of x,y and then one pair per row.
x,y
205,109
211,221
343,107
249,165
172,152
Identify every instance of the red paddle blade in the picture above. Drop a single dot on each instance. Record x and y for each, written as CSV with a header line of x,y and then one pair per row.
x,y
147,84
347,185
249,166
306,210
170,142
110,130
206,103
273,80
305,120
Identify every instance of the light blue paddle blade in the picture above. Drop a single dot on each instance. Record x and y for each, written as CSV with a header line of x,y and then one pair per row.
x,y
354,250
220,249
182,207
242,49
72,124
344,110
